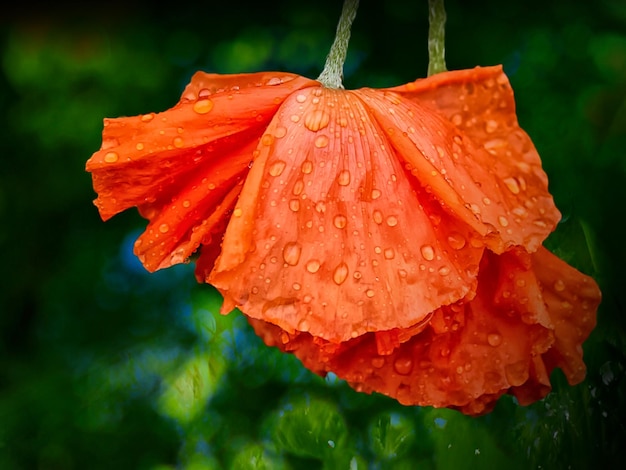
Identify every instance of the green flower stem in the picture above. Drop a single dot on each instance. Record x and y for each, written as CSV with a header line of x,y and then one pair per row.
x,y
436,37
332,75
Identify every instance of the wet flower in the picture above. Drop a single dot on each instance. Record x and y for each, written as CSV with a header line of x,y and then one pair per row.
x,y
391,236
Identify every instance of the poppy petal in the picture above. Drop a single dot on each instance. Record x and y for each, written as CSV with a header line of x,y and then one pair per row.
x,y
329,236
178,166
480,163
472,352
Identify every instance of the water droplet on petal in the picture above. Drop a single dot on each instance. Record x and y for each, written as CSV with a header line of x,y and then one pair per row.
x,y
237,212
294,205
403,365
444,270
456,240
316,120
376,193
378,362
111,157
428,252
178,142
307,167
267,139
203,106
303,325
291,253
389,253
511,184
503,221
370,293
340,221
301,98
491,126
280,132
494,339
313,266
277,168
321,141
343,178
164,228
559,285
186,203
340,274
378,217
147,117
392,221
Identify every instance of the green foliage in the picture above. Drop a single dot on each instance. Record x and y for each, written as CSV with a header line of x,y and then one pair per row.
x,y
103,365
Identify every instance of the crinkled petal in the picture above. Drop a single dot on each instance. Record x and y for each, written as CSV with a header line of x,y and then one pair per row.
x,y
474,157
471,353
330,237
180,167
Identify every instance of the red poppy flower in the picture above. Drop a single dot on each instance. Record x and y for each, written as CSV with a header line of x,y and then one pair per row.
x,y
356,222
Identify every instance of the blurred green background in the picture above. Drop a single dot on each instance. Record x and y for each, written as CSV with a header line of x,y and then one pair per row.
x,y
104,366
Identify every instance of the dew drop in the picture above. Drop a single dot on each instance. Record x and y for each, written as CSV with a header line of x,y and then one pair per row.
x,y
340,221
296,286
494,339
277,168
389,253
559,285
280,132
403,365
512,185
313,266
444,270
147,117
164,228
186,203
203,106
321,141
178,142
503,221
428,252
298,188
291,253
378,362
340,274
303,325
376,193
316,120
343,178
307,167
378,217
491,126
267,139
294,205
301,98
139,146
370,293
456,240
111,157
392,221
237,212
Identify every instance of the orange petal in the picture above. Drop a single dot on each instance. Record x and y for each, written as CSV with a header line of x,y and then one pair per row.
x,y
180,167
329,236
473,352
572,299
474,155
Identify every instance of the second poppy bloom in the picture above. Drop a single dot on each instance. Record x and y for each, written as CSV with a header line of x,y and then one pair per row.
x,y
358,217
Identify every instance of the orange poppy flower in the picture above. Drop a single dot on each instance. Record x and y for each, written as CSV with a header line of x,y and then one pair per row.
x,y
330,214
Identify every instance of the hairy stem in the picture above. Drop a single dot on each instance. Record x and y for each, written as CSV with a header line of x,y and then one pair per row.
x,y
436,37
332,75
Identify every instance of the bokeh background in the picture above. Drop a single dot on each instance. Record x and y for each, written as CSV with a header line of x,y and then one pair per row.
x,y
104,366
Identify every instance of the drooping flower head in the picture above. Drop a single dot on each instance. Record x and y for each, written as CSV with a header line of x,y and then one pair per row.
x,y
392,236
